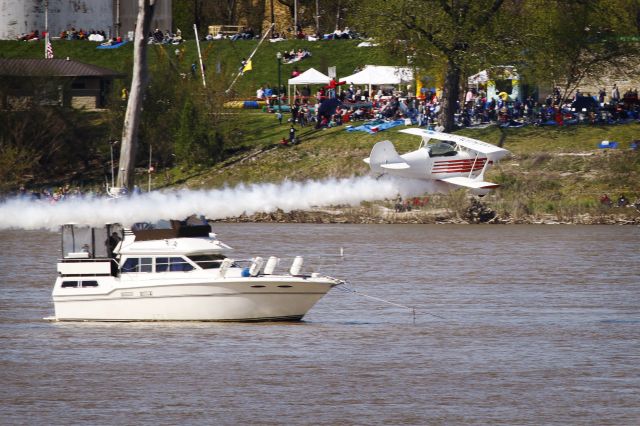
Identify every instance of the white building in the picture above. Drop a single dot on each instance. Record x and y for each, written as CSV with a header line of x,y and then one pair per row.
x,y
19,17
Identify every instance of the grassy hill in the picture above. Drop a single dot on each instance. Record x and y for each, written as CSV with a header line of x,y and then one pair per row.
x,y
222,58
552,171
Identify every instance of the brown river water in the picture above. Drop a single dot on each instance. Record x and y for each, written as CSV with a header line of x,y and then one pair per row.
x,y
535,325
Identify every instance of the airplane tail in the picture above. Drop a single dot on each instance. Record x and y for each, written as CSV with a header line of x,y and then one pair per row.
x,y
384,156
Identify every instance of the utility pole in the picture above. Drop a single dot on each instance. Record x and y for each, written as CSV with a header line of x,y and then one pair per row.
x,y
195,31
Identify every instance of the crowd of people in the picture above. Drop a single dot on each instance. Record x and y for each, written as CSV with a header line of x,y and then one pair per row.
x,y
554,110
155,37
68,34
621,202
247,33
476,109
91,35
166,37
295,56
66,192
54,195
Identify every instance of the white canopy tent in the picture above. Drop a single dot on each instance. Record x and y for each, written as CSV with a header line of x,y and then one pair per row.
x,y
310,76
480,78
377,75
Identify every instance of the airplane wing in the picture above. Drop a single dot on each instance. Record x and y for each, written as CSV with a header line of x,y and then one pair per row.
x,y
470,143
469,183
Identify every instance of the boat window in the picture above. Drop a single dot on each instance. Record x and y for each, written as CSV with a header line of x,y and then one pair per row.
x,y
89,283
442,149
177,264
138,264
69,284
146,264
172,264
162,264
130,265
207,261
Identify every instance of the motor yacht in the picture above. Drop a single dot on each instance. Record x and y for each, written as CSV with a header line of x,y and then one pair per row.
x,y
174,271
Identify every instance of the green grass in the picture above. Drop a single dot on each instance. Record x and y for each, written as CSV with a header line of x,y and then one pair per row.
x,y
572,168
222,58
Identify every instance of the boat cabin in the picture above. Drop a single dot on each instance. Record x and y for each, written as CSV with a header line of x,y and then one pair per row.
x,y
114,250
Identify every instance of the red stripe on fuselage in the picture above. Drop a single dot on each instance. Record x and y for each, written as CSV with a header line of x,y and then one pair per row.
x,y
458,166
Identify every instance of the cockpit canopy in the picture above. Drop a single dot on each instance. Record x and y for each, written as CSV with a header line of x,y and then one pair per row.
x,y
438,148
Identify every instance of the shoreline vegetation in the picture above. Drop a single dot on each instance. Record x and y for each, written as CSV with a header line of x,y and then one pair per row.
x,y
377,214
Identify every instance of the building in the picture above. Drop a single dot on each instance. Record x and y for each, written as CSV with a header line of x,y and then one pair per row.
x,y
114,17
56,82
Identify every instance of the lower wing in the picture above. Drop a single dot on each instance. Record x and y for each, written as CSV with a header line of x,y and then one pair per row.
x,y
469,183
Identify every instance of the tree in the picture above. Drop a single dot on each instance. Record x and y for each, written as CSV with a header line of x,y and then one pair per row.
x,y
197,141
134,105
449,35
569,41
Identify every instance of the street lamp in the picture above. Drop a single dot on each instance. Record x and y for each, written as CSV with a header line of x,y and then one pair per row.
x,y
279,56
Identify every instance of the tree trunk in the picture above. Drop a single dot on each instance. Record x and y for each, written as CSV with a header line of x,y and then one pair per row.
x,y
134,104
450,96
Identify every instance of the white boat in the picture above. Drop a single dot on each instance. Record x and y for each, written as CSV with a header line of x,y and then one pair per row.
x,y
175,272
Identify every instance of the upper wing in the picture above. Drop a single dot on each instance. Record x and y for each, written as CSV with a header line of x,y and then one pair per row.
x,y
473,144
469,183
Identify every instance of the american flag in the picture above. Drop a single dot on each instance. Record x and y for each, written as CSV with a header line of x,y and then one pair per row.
x,y
48,54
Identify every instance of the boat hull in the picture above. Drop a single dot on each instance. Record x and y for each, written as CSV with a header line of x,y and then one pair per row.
x,y
260,300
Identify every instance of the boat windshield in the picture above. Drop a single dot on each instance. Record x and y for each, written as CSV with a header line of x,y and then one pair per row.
x,y
207,261
87,242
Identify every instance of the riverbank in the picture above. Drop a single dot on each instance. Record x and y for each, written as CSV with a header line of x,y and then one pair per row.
x,y
378,214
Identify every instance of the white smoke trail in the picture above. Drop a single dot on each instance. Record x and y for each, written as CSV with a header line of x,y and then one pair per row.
x,y
214,204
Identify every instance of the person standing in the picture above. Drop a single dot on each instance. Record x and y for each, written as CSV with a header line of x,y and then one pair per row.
x,y
615,94
294,112
601,95
292,135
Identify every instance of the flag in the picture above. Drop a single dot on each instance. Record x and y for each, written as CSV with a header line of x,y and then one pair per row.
x,y
48,54
248,66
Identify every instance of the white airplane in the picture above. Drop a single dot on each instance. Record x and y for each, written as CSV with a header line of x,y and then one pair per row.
x,y
447,161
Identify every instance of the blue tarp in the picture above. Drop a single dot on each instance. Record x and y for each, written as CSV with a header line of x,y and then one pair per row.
x,y
607,144
112,46
251,105
376,126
